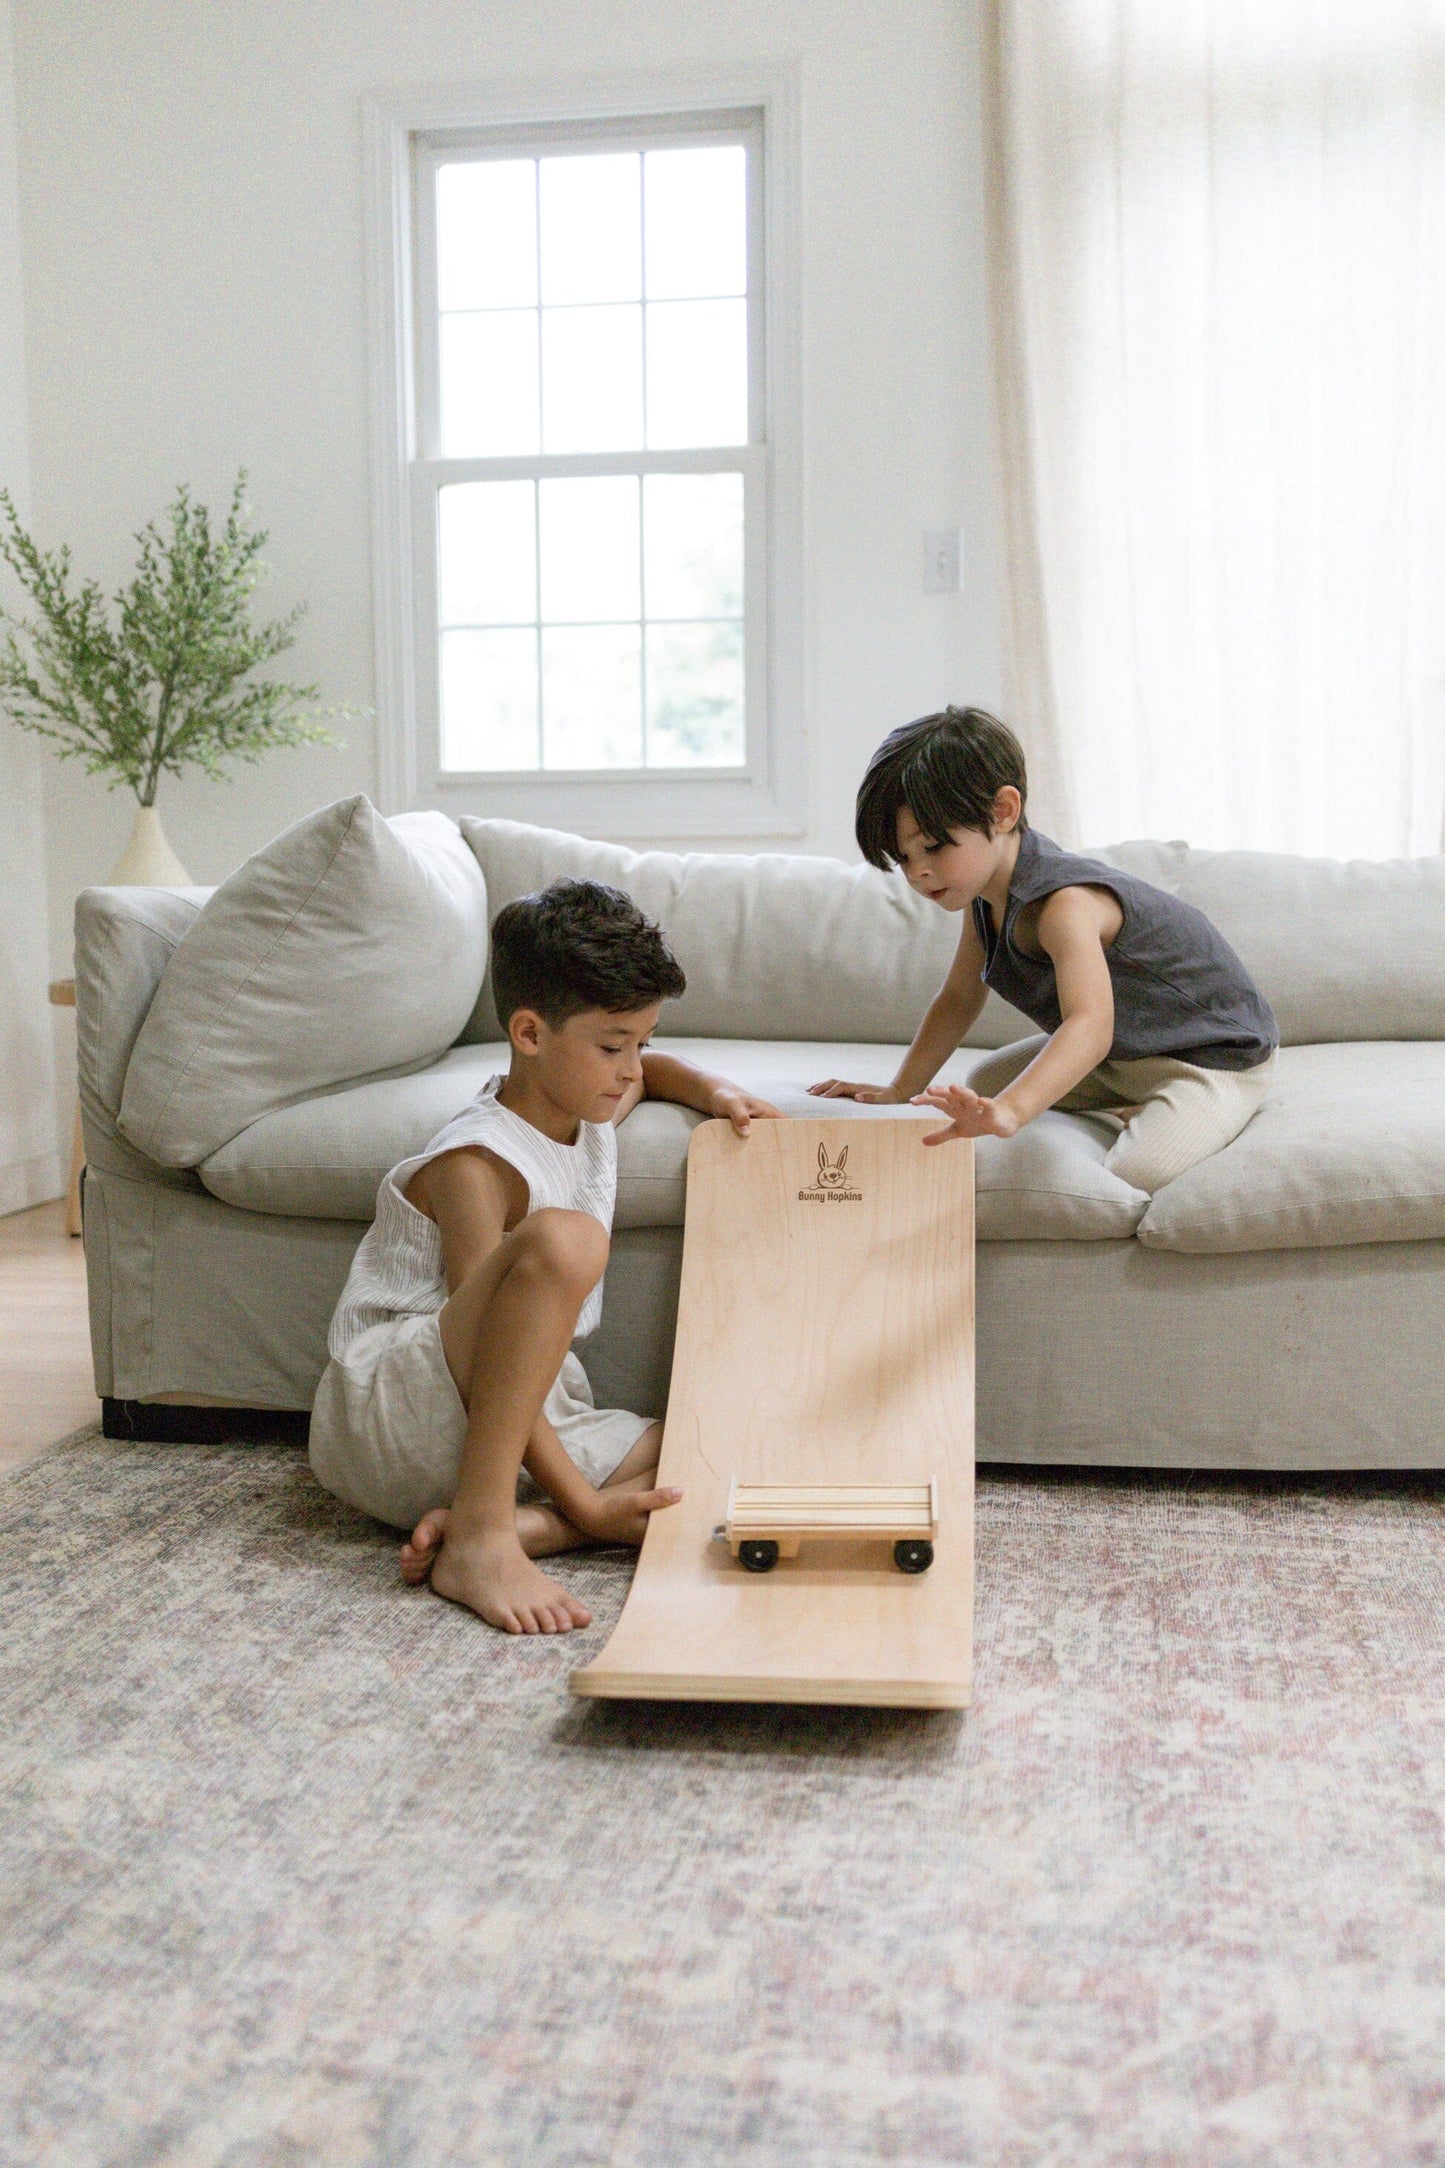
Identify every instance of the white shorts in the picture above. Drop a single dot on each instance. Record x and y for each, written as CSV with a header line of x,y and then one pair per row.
x,y
388,1423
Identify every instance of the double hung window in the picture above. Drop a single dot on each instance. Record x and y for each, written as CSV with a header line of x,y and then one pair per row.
x,y
588,548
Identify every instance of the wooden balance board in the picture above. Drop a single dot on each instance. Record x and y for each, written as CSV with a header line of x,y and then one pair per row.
x,y
824,1344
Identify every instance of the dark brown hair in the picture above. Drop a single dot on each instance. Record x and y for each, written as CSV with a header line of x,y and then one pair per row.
x,y
579,945
947,769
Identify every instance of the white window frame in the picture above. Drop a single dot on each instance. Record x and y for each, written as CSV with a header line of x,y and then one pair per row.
x,y
766,796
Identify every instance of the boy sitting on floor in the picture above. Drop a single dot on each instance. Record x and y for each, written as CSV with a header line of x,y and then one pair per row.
x,y
1145,1013
450,1364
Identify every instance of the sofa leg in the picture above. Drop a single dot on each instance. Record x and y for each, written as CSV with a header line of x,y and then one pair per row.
x,y
153,1422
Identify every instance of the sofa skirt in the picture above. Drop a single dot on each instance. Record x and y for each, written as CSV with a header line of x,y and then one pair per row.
x,y
1092,1353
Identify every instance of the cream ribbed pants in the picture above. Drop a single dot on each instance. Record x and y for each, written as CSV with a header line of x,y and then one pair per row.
x,y
1174,1113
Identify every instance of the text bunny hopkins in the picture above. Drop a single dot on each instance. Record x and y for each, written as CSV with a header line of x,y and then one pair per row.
x,y
833,1185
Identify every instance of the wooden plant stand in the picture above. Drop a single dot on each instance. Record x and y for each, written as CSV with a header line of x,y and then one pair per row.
x,y
825,1356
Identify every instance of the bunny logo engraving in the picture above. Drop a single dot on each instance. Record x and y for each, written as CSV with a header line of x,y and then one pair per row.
x,y
832,1185
830,1171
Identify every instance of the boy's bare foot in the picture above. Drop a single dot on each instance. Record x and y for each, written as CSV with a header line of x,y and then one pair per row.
x,y
419,1554
493,1576
541,1530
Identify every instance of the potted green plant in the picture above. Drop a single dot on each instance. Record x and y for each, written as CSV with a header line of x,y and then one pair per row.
x,y
164,685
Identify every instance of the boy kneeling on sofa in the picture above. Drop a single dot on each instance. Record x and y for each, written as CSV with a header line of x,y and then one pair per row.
x,y
451,1367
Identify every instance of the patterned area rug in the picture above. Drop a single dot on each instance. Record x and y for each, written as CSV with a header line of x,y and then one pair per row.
x,y
301,1866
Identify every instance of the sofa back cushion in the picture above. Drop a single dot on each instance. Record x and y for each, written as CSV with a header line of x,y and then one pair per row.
x,y
774,947
348,947
1342,949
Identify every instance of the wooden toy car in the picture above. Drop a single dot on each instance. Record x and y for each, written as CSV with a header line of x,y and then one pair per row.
x,y
769,1521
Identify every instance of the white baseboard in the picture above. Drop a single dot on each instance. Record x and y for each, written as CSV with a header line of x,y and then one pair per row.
x,y
31,1181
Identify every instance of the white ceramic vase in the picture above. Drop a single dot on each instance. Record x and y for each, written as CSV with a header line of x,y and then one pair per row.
x,y
148,860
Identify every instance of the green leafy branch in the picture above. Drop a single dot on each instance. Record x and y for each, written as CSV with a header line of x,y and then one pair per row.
x,y
163,688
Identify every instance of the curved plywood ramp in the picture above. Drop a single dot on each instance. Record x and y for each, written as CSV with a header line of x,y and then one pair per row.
x,y
825,1337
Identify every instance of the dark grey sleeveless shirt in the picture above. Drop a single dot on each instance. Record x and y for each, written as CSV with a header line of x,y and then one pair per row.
x,y
1179,988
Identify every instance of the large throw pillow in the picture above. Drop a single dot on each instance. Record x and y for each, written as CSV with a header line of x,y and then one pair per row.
x,y
774,946
349,947
1345,949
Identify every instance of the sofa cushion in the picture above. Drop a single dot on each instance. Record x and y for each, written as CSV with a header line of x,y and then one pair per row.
x,y
778,946
1349,1147
349,946
1342,949
773,945
325,1157
1047,1184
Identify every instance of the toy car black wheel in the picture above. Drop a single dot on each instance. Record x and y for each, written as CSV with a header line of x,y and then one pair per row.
x,y
758,1557
913,1557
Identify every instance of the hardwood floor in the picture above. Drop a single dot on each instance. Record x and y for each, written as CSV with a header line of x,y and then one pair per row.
x,y
45,1380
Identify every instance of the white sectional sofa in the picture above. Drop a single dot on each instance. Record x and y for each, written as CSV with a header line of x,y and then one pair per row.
x,y
253,1060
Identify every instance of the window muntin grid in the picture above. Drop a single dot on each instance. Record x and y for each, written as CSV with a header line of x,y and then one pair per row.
x,y
595,619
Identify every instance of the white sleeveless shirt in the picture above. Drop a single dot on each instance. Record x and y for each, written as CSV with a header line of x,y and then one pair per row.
x,y
397,1271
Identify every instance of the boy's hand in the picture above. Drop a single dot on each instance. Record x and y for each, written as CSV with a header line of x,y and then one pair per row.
x,y
969,1114
729,1104
867,1095
621,1516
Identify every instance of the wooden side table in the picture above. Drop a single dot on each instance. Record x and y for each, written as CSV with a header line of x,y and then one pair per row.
x,y
62,996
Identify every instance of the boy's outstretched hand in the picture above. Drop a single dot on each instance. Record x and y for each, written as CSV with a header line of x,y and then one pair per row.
x,y
729,1104
867,1095
969,1114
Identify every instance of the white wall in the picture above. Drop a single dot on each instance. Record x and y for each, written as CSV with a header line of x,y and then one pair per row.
x,y
192,206
29,1165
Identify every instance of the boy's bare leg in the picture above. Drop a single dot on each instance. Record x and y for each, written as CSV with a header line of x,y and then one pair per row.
x,y
541,1529
504,1334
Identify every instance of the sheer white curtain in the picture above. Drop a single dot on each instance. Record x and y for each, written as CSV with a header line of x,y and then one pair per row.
x,y
1219,231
